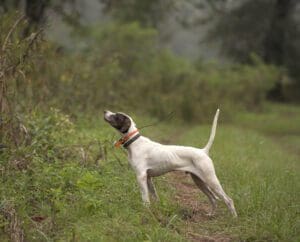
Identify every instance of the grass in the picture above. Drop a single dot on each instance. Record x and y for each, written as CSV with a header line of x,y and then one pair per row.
x,y
275,120
254,168
82,200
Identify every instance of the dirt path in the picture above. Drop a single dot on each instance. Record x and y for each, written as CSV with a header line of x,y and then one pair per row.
x,y
194,209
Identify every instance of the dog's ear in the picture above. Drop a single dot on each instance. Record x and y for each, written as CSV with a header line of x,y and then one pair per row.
x,y
125,125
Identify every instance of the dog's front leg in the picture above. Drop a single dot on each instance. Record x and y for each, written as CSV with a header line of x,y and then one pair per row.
x,y
142,180
152,189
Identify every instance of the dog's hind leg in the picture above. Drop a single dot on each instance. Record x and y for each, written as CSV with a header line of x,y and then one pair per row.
x,y
213,183
202,186
151,188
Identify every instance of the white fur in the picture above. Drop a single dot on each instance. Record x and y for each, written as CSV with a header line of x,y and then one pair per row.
x,y
150,159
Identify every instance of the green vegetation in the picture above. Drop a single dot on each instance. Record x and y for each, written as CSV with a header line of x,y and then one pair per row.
x,y
61,179
62,190
73,185
121,66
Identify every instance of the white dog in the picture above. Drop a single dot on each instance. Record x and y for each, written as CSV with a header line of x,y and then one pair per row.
x,y
150,159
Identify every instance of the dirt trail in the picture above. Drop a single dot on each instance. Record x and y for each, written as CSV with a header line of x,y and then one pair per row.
x,y
194,210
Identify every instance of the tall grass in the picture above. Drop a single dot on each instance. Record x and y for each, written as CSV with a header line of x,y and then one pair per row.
x,y
81,188
70,184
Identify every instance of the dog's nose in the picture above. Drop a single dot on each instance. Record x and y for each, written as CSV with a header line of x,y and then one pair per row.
x,y
105,111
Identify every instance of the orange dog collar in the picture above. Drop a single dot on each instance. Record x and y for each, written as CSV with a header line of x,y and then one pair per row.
x,y
124,139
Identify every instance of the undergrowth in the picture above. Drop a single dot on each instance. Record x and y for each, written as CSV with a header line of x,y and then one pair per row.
x,y
66,184
76,186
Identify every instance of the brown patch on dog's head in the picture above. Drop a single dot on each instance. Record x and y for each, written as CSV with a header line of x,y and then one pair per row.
x,y
119,121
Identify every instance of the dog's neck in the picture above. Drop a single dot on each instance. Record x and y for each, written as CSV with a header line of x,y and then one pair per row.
x,y
129,137
132,128
134,137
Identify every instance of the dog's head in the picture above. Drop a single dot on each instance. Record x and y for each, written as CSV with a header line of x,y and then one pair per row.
x,y
120,121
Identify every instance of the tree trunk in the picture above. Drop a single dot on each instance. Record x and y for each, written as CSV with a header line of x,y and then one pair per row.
x,y
275,37
275,41
35,12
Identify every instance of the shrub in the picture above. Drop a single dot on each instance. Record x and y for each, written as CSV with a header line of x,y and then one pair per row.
x,y
124,68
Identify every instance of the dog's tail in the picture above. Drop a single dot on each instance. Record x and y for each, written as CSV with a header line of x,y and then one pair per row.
x,y
212,133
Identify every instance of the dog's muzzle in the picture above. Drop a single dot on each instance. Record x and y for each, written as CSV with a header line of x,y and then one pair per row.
x,y
107,114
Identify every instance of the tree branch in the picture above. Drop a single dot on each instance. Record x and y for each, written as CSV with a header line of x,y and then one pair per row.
x,y
11,31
